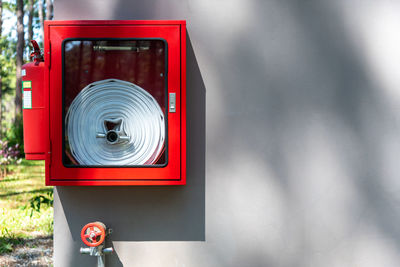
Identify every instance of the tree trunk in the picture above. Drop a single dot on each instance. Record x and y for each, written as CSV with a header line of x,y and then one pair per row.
x,y
49,9
19,59
1,77
30,20
41,18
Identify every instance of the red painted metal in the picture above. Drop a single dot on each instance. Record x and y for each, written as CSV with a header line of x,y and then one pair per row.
x,y
91,232
174,173
36,55
33,117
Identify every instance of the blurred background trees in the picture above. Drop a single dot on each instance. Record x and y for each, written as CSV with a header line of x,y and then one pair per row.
x,y
20,22
26,212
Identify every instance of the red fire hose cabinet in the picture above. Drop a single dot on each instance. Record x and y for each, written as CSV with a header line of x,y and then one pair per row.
x,y
107,103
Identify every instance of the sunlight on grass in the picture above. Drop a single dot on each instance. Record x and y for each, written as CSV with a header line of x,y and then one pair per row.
x,y
18,223
17,218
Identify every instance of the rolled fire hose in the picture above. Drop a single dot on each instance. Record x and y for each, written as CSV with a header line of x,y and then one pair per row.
x,y
114,122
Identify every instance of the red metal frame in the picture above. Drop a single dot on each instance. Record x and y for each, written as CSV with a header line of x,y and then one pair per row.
x,y
174,33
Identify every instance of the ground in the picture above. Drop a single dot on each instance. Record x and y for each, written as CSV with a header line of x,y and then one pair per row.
x,y
33,252
26,216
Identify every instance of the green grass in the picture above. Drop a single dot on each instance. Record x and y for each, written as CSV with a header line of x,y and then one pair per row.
x,y
18,220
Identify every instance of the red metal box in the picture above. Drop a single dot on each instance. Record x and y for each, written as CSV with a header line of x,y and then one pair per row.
x,y
114,103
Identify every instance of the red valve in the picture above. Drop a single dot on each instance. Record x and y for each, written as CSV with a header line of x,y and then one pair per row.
x,y
36,55
93,234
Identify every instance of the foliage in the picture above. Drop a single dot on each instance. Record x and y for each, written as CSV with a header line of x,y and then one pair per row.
x,y
14,134
8,240
25,203
9,5
37,201
8,155
6,245
18,220
7,64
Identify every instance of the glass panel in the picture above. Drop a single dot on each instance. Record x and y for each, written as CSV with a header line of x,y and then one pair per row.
x,y
114,101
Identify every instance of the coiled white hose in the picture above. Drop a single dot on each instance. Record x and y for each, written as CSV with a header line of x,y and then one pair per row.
x,y
137,132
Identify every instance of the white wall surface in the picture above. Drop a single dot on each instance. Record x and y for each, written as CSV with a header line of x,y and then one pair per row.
x,y
293,141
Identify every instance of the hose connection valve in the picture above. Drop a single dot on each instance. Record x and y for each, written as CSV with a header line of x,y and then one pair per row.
x,y
93,235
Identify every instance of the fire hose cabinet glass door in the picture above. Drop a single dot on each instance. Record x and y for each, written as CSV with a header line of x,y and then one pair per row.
x,y
117,108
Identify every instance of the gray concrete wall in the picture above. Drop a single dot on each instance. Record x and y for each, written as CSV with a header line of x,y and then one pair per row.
x,y
293,141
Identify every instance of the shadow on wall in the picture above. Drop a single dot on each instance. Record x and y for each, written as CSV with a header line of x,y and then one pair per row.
x,y
322,150
301,139
160,213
